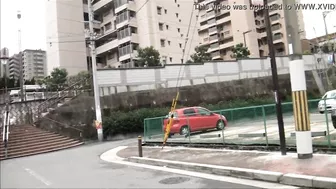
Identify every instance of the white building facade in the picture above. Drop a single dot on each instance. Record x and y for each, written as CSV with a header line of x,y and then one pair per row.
x,y
121,26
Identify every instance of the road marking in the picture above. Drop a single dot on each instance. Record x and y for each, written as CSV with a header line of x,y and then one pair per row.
x,y
38,177
108,156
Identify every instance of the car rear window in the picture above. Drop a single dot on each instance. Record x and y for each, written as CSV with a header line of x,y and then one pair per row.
x,y
189,112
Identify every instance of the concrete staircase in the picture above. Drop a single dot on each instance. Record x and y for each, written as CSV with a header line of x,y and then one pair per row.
x,y
26,140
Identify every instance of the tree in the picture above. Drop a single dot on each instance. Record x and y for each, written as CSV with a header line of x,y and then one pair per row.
x,y
57,79
82,80
30,82
239,51
148,57
328,47
201,55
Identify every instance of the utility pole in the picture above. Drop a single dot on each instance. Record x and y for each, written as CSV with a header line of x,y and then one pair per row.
x,y
22,94
98,122
304,146
275,81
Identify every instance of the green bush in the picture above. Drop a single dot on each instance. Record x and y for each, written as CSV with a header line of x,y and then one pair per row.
x,y
119,122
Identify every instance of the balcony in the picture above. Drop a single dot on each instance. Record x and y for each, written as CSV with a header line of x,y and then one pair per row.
x,y
210,15
132,55
204,27
215,55
133,38
226,35
213,39
227,45
213,48
262,35
130,6
206,2
107,46
223,20
133,22
101,4
106,33
108,18
259,26
122,24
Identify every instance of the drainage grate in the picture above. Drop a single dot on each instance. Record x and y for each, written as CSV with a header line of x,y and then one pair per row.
x,y
174,180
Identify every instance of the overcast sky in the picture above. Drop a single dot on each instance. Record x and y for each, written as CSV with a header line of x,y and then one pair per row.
x,y
33,23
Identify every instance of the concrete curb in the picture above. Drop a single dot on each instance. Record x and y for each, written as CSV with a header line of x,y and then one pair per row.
x,y
268,176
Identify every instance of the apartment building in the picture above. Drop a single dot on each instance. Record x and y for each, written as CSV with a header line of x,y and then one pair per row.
x,y
34,64
14,66
221,29
121,27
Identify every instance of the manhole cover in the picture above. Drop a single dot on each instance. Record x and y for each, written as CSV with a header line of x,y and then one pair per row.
x,y
174,180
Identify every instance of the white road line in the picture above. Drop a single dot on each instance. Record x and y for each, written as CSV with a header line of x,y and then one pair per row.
x,y
38,177
108,156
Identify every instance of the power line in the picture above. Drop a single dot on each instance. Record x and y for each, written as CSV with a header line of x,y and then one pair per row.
x,y
142,6
186,41
192,37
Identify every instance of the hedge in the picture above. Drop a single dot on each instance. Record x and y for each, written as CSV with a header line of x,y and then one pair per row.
x,y
118,122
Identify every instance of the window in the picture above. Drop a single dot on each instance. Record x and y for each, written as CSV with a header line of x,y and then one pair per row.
x,y
165,11
203,112
162,42
160,26
177,15
180,44
108,26
181,61
178,5
159,10
110,56
170,59
168,42
179,20
189,112
178,30
175,1
167,27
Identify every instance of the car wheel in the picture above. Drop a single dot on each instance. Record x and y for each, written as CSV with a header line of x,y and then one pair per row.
x,y
321,112
220,125
184,130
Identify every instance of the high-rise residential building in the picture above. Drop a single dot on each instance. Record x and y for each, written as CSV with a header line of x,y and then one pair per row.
x,y
121,26
221,29
14,66
34,64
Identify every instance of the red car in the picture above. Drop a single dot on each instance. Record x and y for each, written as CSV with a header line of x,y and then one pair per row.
x,y
198,119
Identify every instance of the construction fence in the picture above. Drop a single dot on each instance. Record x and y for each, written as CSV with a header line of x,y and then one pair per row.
x,y
255,125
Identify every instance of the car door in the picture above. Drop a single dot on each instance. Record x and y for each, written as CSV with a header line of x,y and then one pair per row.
x,y
191,118
206,119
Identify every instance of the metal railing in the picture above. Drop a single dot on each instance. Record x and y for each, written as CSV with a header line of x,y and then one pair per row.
x,y
247,125
5,132
73,90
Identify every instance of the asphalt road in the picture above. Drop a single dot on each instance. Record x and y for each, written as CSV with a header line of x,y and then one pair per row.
x,y
82,168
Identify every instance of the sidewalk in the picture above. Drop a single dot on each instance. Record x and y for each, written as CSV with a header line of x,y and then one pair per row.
x,y
320,165
318,172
